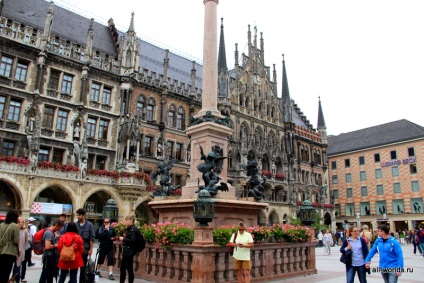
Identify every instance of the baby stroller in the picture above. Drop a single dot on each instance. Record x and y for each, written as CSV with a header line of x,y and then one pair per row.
x,y
90,269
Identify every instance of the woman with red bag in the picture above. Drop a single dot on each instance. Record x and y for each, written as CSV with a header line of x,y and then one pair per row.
x,y
71,237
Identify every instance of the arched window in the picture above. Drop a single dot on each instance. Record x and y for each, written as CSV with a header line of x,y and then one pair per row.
x,y
171,115
241,99
180,119
150,109
141,104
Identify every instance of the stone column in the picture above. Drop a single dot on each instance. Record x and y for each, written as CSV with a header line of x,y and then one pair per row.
x,y
210,60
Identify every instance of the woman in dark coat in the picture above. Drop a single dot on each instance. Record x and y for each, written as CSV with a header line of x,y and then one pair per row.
x,y
359,249
129,250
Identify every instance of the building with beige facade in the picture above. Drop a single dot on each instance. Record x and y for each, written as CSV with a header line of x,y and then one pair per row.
x,y
375,175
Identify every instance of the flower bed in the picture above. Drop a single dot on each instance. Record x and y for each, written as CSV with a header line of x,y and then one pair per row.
x,y
13,159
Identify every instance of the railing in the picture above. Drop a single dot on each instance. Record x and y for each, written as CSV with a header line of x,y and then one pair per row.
x,y
270,261
69,175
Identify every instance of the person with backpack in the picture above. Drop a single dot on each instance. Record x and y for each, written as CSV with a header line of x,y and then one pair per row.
x,y
106,237
70,249
9,241
49,241
359,249
86,231
129,249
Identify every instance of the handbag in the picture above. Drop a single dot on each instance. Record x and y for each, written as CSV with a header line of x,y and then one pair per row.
x,y
231,249
346,257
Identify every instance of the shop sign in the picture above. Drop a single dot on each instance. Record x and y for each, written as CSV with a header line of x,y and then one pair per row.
x,y
399,162
51,208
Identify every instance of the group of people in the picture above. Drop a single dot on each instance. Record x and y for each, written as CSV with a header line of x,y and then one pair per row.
x,y
15,248
388,247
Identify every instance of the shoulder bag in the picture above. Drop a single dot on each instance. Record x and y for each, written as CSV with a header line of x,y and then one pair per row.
x,y
231,249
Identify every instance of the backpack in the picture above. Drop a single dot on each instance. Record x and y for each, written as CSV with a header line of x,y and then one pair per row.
x,y
140,243
37,242
68,252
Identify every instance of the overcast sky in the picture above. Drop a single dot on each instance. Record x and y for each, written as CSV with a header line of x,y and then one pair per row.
x,y
364,58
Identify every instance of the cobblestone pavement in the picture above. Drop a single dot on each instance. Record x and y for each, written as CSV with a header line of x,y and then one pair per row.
x,y
330,270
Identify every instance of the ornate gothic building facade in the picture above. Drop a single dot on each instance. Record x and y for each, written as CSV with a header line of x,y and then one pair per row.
x,y
88,111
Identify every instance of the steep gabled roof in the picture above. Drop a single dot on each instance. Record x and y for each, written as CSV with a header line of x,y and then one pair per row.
x,y
385,134
69,25
66,24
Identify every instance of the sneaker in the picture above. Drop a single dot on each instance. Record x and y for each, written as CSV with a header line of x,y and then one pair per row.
x,y
98,273
24,280
111,277
31,264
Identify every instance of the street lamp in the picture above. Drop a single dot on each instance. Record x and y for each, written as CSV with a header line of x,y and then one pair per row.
x,y
110,210
307,213
203,208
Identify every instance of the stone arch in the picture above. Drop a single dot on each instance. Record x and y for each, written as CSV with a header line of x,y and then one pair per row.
x,y
143,212
11,195
262,219
280,194
274,218
279,165
327,218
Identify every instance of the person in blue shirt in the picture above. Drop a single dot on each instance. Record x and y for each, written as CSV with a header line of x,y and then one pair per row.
x,y
391,256
359,249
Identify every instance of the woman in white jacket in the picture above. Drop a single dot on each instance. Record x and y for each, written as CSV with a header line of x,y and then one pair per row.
x,y
328,242
23,241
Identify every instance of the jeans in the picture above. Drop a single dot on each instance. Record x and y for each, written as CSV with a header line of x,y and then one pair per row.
x,y
26,261
6,267
72,277
17,270
82,268
49,269
390,277
350,273
127,264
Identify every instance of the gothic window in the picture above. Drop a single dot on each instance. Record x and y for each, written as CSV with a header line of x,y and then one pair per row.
x,y
106,95
243,136
180,119
91,127
6,64
54,79
171,116
148,146
178,151
57,155
48,117
67,84
21,71
141,103
62,120
260,109
150,110
14,110
103,128
247,103
2,104
241,99
271,140
257,137
95,92
43,154
8,148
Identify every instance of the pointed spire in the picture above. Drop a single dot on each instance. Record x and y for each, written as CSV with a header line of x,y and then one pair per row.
x,y
285,84
222,58
321,121
193,93
131,28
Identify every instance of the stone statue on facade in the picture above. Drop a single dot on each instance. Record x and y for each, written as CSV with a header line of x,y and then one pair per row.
x,y
164,168
255,186
210,169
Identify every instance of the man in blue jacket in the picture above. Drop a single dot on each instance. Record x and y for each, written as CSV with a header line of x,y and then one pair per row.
x,y
391,256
